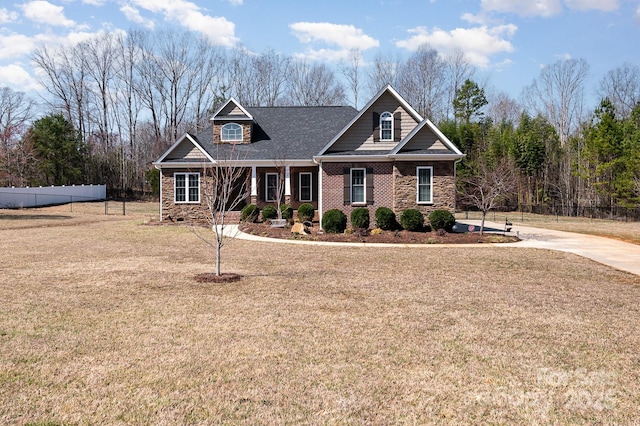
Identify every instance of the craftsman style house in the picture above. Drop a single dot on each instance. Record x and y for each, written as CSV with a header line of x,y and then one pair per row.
x,y
332,157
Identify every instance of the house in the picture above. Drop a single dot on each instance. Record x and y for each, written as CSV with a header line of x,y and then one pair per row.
x,y
333,157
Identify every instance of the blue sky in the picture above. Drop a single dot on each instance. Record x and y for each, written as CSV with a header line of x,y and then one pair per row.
x,y
508,40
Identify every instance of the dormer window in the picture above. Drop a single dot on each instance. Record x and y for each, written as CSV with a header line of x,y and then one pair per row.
x,y
231,132
386,126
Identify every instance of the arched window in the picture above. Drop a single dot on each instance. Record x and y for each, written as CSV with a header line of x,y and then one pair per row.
x,y
231,132
386,126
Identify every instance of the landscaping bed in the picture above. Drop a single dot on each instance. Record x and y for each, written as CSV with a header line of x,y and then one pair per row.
x,y
388,237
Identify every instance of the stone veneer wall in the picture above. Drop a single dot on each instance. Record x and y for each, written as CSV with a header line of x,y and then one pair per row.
x,y
187,212
444,190
246,132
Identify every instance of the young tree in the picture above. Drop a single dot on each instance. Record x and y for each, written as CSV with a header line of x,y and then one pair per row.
x,y
225,186
469,101
486,185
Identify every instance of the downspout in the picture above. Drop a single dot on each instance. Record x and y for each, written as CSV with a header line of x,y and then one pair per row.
x,y
319,163
158,167
455,184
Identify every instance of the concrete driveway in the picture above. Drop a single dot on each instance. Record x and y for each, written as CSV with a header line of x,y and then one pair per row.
x,y
614,253
610,252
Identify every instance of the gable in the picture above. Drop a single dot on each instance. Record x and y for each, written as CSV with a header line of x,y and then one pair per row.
x,y
232,110
362,134
186,150
424,140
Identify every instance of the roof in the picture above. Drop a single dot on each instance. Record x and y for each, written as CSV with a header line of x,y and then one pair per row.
x,y
283,133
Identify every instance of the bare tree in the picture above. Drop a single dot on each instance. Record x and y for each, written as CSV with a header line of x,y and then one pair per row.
x,y
384,70
622,86
16,110
458,70
225,186
558,95
502,108
351,72
422,81
313,85
488,185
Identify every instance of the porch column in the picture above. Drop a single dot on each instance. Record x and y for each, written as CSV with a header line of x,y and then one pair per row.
x,y
287,182
254,185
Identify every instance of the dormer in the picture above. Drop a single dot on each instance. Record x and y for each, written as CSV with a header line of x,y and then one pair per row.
x,y
232,124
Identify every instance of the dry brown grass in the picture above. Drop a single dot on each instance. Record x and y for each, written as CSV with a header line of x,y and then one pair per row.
x,y
618,229
103,323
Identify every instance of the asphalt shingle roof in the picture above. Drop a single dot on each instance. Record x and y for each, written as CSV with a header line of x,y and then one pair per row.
x,y
284,133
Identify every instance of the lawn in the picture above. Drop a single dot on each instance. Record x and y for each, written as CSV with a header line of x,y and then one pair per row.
x,y
102,323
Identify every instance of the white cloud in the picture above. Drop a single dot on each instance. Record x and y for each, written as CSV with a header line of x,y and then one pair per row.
x,y
344,36
478,44
94,2
15,46
133,15
236,2
603,5
43,12
638,13
218,30
523,7
16,77
7,16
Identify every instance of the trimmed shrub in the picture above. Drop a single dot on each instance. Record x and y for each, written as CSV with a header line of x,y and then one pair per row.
x,y
287,211
306,212
249,213
269,212
360,218
441,219
334,221
412,220
386,219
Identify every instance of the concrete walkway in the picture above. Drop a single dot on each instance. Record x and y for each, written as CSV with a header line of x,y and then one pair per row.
x,y
614,253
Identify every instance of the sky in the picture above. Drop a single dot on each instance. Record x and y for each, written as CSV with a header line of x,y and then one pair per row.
x,y
509,41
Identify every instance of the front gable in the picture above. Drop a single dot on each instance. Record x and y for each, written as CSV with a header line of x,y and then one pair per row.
x,y
426,139
185,150
363,133
237,121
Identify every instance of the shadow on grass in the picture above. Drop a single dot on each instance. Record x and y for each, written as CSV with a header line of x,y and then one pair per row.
x,y
33,217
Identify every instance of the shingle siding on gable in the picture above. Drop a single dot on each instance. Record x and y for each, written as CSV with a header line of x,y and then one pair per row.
x,y
424,138
361,135
186,151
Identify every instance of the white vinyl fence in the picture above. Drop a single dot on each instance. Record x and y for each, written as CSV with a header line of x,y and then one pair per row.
x,y
11,198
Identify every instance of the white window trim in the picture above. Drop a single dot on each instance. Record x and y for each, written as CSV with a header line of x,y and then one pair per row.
x,y
430,168
310,186
392,125
266,187
186,188
364,186
222,138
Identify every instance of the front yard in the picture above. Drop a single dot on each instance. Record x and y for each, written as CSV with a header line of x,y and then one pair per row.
x,y
101,322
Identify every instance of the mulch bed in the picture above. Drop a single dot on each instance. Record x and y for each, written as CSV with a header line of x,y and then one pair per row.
x,y
395,237
210,277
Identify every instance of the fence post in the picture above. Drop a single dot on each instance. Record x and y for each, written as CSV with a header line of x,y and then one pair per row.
x,y
106,207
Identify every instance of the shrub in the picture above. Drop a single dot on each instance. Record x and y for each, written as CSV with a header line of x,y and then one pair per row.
x,y
249,213
269,212
412,220
360,218
441,219
386,219
287,211
334,221
306,212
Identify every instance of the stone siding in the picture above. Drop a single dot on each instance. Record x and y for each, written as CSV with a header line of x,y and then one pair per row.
x,y
246,132
405,178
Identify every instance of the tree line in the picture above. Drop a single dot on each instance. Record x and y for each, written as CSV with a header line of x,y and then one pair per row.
x,y
117,101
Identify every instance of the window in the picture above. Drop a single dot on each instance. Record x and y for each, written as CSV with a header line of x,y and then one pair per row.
x,y
231,132
271,187
305,193
358,186
386,126
425,184
187,187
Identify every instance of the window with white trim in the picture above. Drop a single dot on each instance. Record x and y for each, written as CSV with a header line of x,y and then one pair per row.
x,y
231,132
386,126
424,185
186,187
271,187
358,188
305,182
